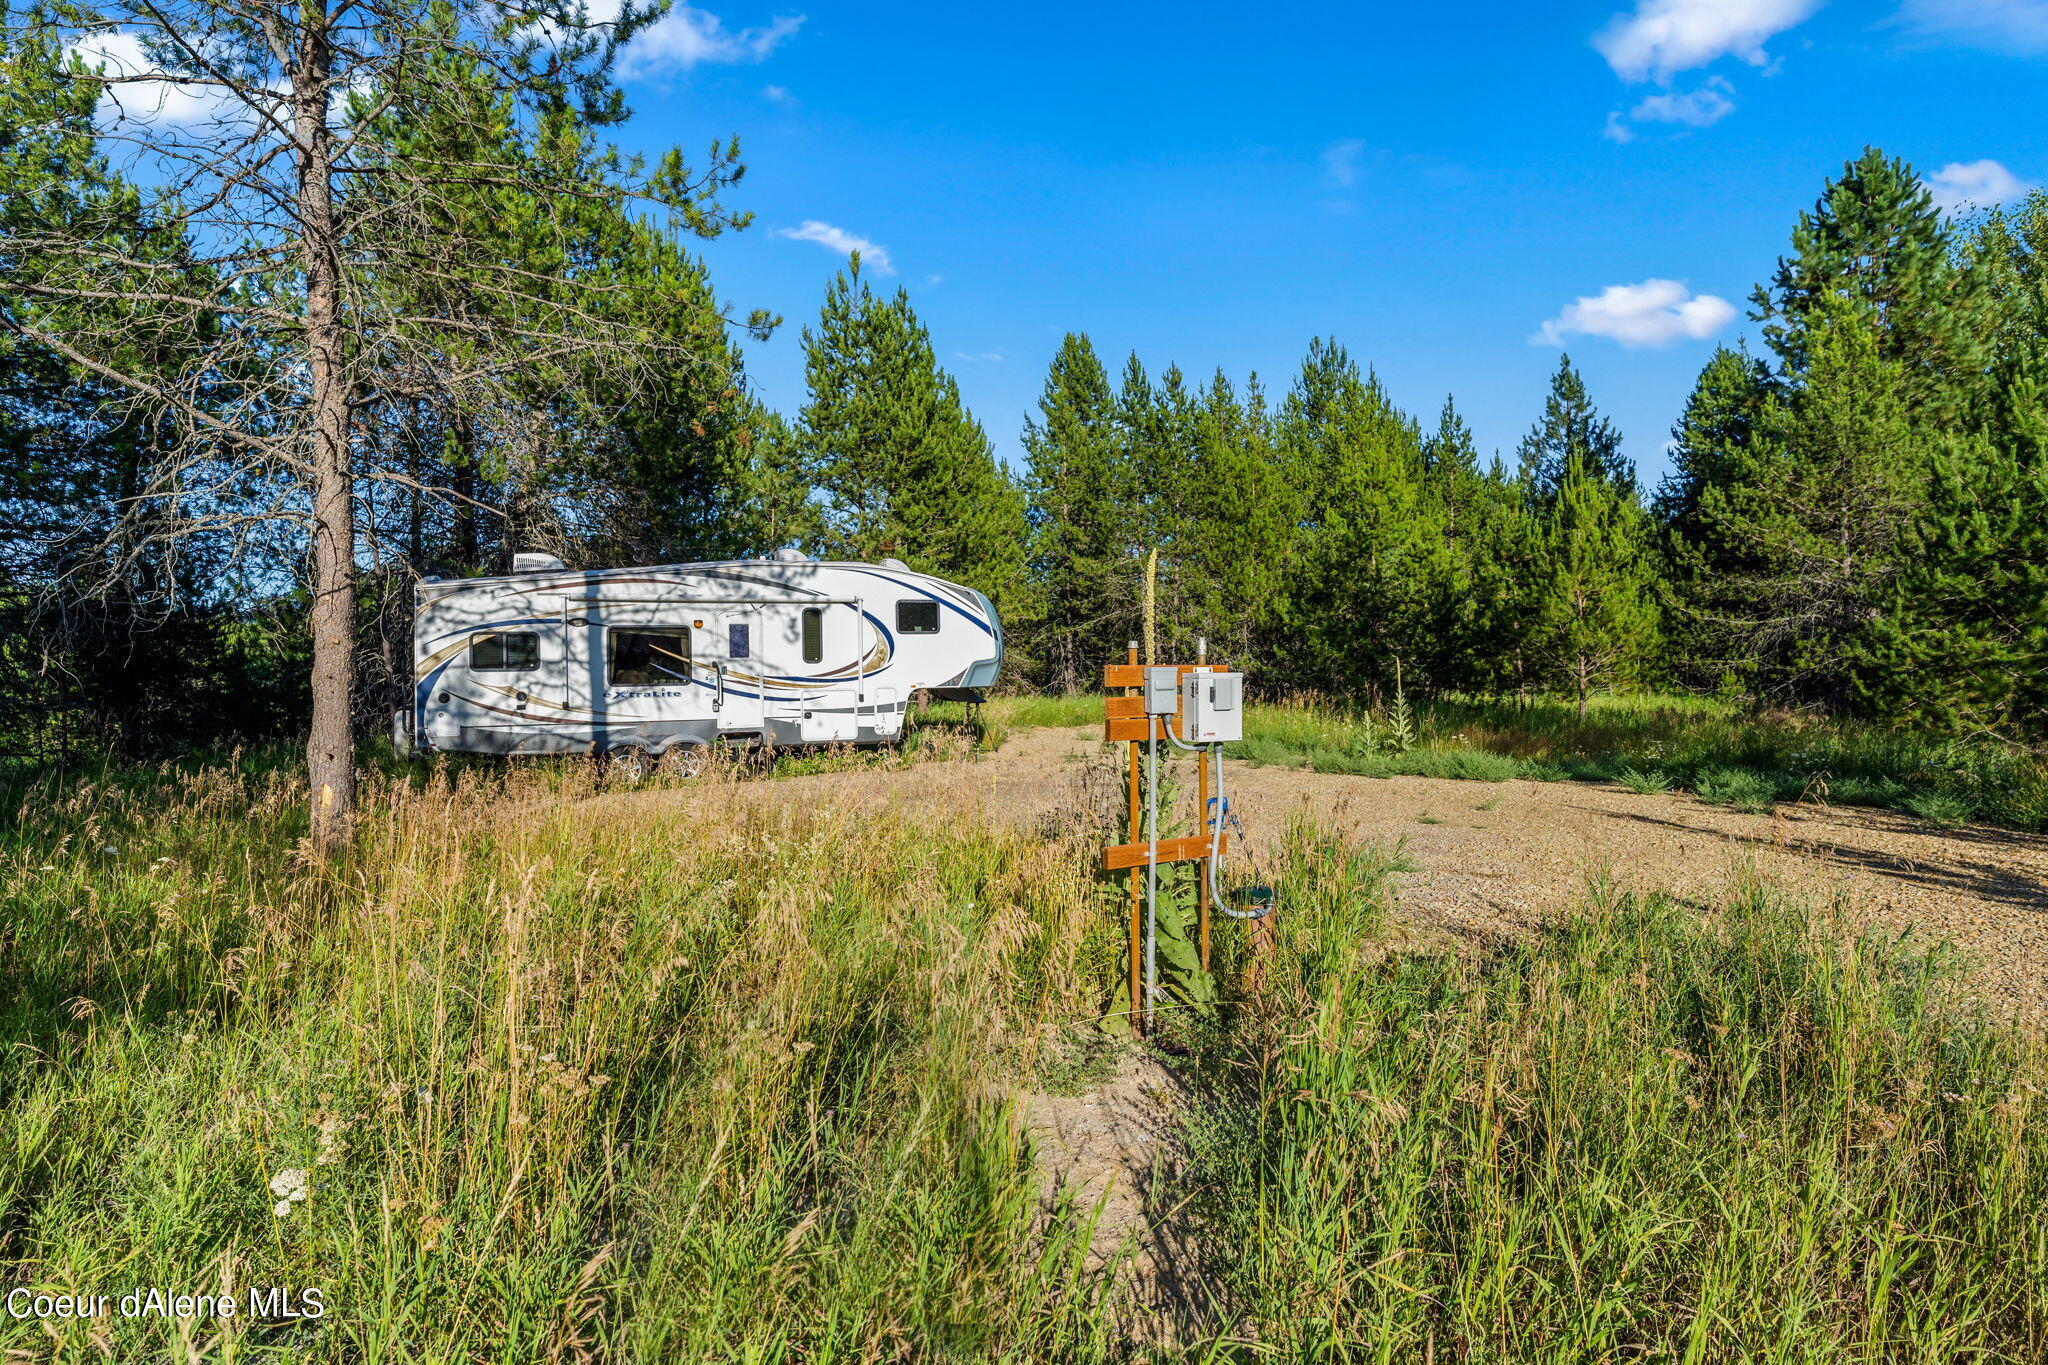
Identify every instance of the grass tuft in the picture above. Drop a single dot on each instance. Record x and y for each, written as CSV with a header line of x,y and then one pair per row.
x,y
1653,782
1939,808
1743,788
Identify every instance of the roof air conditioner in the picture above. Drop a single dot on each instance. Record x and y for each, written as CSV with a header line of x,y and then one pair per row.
x,y
533,562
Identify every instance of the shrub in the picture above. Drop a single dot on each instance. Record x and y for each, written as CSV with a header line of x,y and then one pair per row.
x,y
1746,789
1940,808
1867,791
1644,783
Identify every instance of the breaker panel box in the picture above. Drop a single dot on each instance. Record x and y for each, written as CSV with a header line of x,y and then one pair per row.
x,y
1212,707
1162,690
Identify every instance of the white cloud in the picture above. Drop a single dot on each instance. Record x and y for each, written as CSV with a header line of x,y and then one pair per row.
x,y
2015,26
873,256
1964,185
935,279
170,102
1341,160
686,37
777,94
989,357
1653,313
1664,37
1699,108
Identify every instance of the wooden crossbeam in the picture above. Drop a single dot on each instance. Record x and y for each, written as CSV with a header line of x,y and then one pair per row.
x,y
1133,675
1170,851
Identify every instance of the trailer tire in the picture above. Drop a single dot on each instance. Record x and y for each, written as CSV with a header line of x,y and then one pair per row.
x,y
628,765
686,759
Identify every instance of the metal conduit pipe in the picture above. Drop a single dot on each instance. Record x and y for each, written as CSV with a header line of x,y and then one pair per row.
x,y
1152,867
1215,858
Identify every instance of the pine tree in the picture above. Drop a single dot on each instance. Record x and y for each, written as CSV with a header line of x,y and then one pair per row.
x,y
1596,620
1508,563
1719,444
1081,512
1875,241
1811,525
1357,603
905,470
1455,489
1962,641
778,507
1236,516
1572,431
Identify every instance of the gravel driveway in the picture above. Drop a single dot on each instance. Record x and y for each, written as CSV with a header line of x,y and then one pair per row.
x,y
1494,858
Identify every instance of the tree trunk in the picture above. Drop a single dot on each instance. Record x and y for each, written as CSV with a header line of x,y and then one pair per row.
x,y
462,478
330,749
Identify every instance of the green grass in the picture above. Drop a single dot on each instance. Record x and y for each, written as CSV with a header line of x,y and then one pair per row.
x,y
1644,1135
699,1078
1743,788
717,1074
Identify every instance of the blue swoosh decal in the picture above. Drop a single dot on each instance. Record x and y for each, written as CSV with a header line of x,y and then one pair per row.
x,y
925,592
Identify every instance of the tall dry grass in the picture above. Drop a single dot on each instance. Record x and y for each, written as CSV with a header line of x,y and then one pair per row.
x,y
691,1075
717,1073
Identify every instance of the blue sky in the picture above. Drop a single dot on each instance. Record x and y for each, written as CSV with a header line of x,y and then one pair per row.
x,y
1453,190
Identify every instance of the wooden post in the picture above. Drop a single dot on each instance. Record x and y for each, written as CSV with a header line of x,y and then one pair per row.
x,y
1137,875
1258,946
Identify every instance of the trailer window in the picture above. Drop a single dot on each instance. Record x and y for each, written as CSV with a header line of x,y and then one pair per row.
x,y
739,641
814,635
515,653
650,657
917,618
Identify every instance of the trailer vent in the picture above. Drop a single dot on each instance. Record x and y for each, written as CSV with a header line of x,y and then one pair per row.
x,y
533,562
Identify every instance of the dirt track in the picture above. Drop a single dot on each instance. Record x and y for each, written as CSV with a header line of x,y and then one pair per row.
x,y
1492,859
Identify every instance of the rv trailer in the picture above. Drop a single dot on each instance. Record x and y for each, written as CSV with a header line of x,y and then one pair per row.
x,y
654,665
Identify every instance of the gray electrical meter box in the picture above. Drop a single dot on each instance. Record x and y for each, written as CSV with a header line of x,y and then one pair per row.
x,y
1162,690
1212,707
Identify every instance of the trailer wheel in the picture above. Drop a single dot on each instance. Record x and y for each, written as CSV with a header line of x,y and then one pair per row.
x,y
686,759
629,765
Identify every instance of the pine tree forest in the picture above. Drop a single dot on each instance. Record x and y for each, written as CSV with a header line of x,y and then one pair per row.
x,y
1853,526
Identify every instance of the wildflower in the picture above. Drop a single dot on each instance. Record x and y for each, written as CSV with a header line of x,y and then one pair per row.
x,y
110,849
332,1148
290,1186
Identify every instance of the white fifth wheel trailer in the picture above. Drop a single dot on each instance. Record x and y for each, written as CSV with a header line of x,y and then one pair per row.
x,y
641,664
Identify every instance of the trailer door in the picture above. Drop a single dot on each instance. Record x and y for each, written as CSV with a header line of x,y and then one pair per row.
x,y
738,703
